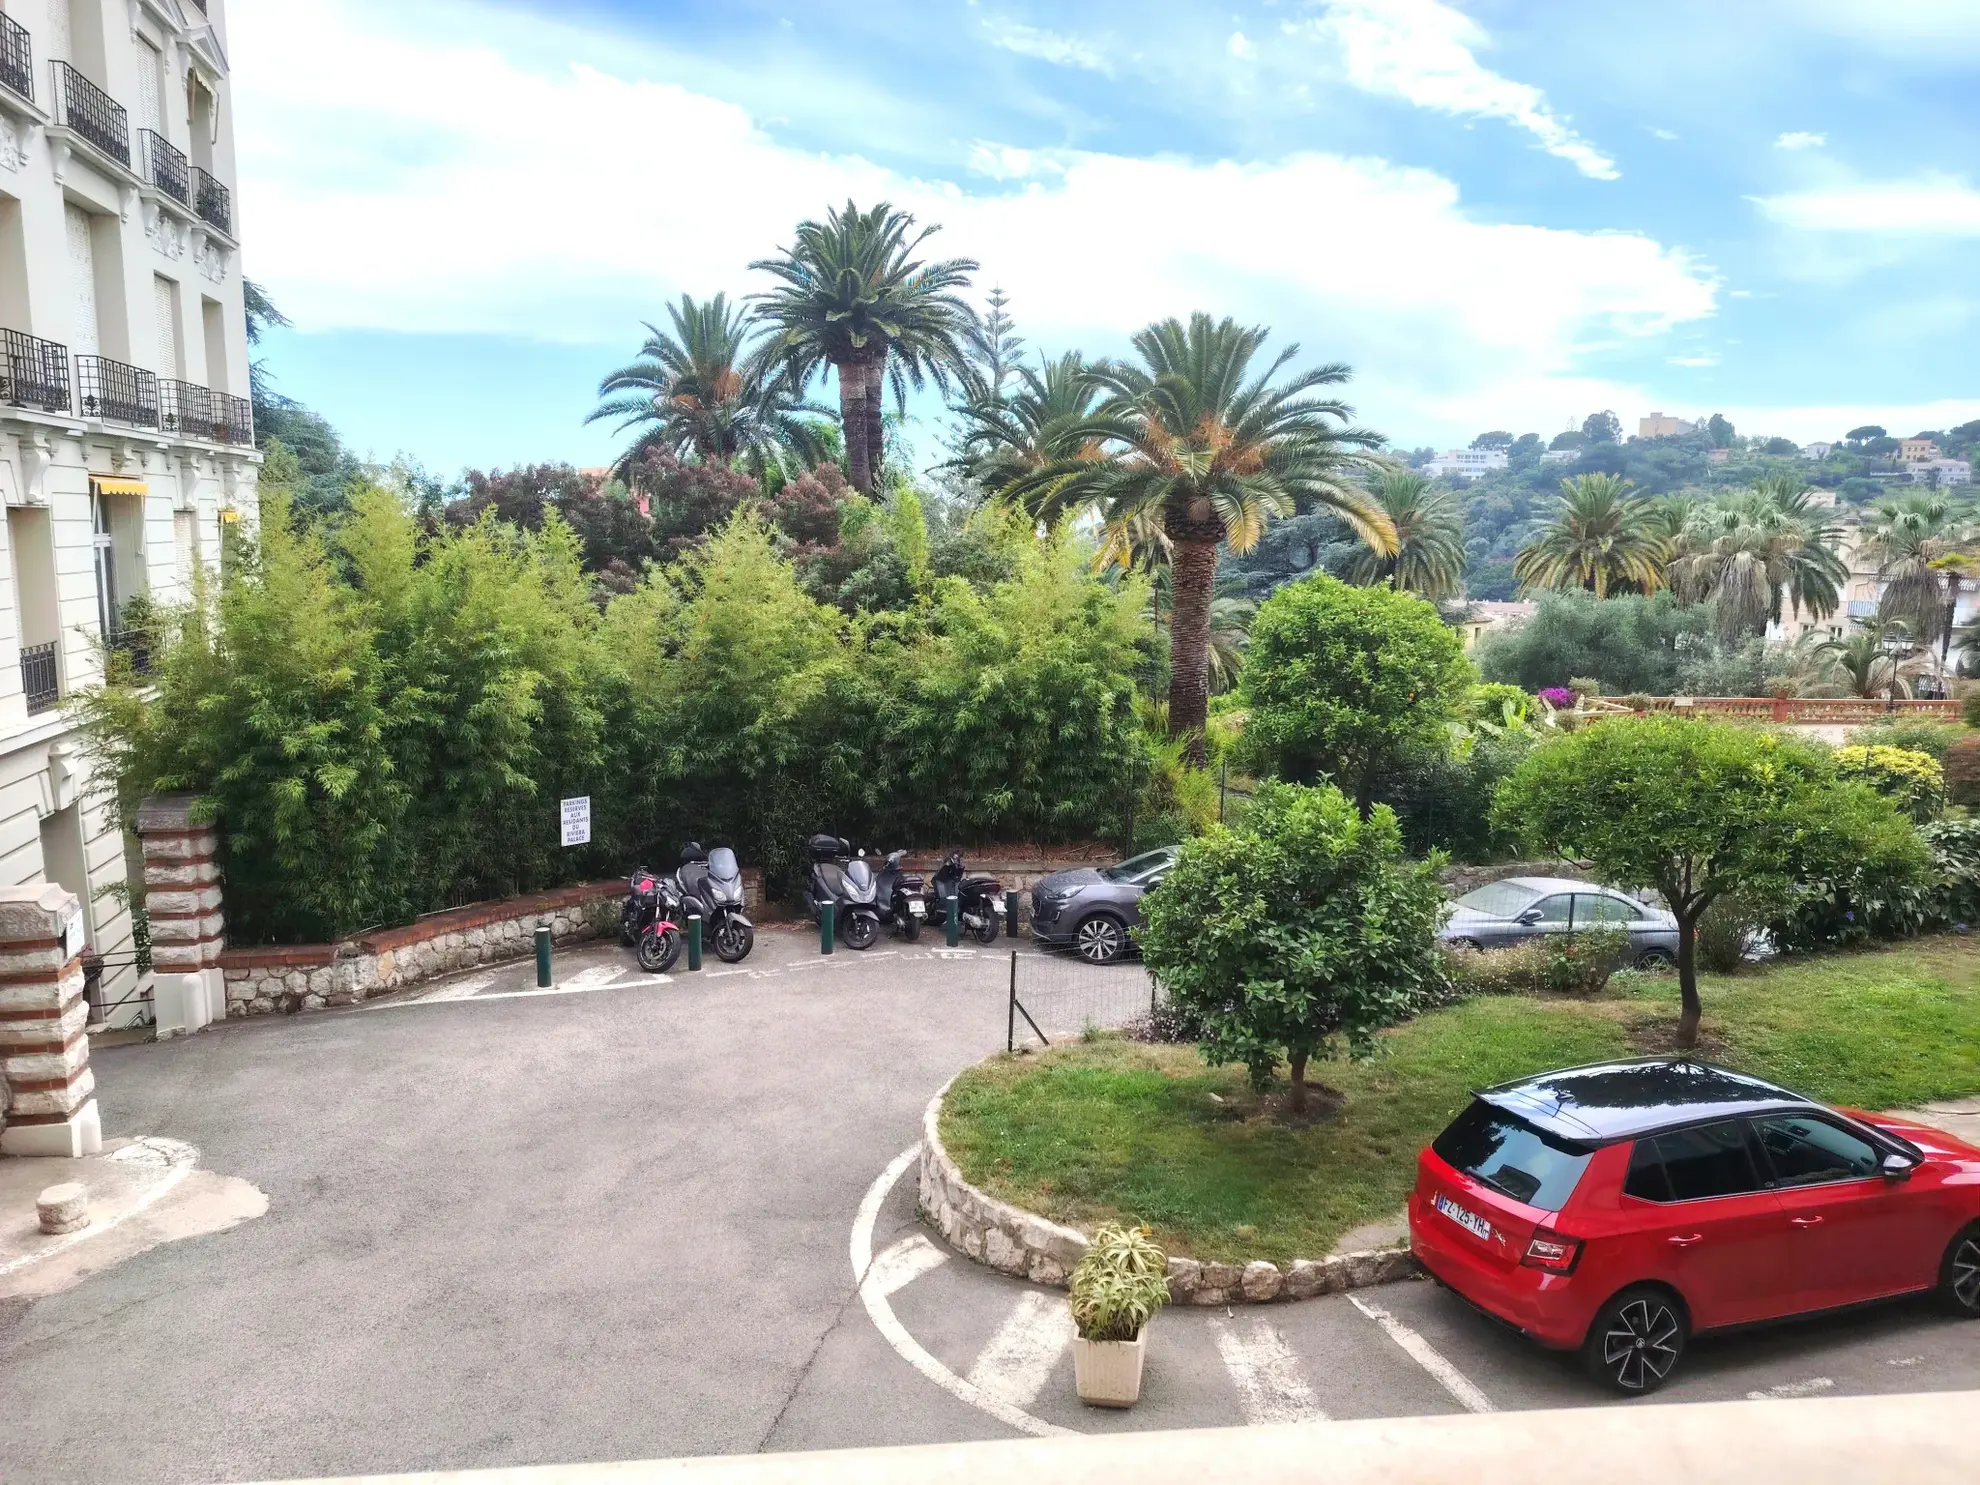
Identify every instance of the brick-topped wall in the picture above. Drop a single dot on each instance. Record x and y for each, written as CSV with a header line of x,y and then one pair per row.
x,y
307,977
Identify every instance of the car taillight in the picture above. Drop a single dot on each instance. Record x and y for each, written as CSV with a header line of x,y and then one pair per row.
x,y
1552,1252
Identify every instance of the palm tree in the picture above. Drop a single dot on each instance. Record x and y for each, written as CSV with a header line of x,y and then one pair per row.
x,y
1599,538
1429,556
1045,421
1216,450
1756,550
853,297
1907,541
1868,662
703,390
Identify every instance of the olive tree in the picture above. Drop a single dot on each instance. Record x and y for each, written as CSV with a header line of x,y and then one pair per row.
x,y
1699,810
1303,929
1349,683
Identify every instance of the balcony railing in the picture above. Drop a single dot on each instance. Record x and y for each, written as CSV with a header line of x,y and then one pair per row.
x,y
33,372
165,166
84,107
187,411
41,676
135,646
239,419
213,201
116,393
16,58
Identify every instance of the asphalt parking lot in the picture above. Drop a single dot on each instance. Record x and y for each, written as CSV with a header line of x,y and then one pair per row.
x,y
618,1219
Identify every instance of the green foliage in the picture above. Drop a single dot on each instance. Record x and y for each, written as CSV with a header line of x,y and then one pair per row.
x,y
1633,645
1723,934
1118,1284
1954,842
1914,782
1300,930
1497,703
1578,963
1516,969
1348,683
1446,804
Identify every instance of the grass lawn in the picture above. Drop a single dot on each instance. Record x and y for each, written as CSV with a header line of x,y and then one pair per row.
x,y
1110,1128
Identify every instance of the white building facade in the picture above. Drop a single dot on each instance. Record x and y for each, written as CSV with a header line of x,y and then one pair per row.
x,y
1466,463
126,433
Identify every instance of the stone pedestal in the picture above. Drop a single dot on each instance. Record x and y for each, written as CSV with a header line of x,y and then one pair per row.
x,y
182,897
44,1052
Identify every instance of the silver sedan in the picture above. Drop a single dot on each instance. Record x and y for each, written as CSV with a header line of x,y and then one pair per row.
x,y
1520,908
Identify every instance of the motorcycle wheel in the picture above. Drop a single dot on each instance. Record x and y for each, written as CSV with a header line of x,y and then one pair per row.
x,y
733,941
910,927
860,931
987,934
658,949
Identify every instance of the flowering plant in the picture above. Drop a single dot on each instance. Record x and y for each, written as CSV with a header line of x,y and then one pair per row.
x,y
1560,698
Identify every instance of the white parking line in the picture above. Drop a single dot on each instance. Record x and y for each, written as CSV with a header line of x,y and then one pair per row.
x,y
1426,1356
1261,1364
1018,1362
1809,1388
459,990
905,1262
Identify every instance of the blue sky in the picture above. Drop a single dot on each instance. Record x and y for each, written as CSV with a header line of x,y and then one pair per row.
x,y
1502,213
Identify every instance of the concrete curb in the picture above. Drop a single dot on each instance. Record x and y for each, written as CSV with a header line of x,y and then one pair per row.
x,y
1027,1246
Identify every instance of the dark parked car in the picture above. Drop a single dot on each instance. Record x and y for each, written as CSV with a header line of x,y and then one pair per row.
x,y
1519,908
1092,909
1621,1209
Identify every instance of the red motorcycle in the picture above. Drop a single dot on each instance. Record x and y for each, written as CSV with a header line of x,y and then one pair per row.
x,y
647,921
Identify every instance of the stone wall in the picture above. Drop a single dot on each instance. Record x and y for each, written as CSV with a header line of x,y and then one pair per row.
x,y
1026,1245
46,1083
308,977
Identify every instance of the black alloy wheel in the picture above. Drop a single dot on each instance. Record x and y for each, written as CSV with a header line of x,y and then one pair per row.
x,y
1959,1276
1656,959
986,932
860,930
733,941
1636,1342
658,949
1100,939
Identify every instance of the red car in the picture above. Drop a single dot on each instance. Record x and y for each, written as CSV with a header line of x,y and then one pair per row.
x,y
1620,1209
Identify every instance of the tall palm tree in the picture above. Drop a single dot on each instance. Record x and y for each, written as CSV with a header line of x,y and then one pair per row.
x,y
703,390
852,296
1755,551
1429,556
1909,541
1044,421
1599,538
1216,448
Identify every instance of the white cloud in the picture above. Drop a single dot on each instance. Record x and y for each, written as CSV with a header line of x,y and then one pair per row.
x,y
1804,424
1800,139
1423,51
1663,134
1703,358
395,177
1930,205
1242,47
1047,46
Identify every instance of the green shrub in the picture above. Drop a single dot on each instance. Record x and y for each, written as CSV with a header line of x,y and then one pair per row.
x,y
1962,766
1494,701
1933,738
1724,933
1517,969
1118,1284
1913,781
1581,962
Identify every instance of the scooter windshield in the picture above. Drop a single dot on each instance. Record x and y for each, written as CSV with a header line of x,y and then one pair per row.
x,y
722,865
859,881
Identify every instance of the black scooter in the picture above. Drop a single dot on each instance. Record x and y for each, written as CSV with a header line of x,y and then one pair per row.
x,y
976,900
710,884
846,882
901,898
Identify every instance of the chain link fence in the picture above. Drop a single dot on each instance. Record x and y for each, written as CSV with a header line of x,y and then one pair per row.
x,y
1057,996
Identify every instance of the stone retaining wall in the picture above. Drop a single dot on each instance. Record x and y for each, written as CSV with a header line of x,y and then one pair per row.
x,y
308,977
1014,1241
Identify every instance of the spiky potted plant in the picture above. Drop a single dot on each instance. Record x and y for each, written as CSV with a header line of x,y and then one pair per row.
x,y
1116,1290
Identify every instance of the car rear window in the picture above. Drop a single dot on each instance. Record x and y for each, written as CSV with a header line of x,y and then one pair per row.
x,y
1512,1157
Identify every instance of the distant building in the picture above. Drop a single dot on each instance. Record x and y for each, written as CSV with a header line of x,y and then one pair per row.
x,y
1659,426
1718,456
1466,463
1917,451
1488,615
1948,472
1560,456
1817,450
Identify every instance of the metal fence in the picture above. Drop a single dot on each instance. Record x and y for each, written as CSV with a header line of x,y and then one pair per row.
x,y
1055,997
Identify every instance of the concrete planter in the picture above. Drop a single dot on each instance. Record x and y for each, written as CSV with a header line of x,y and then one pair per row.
x,y
1108,1373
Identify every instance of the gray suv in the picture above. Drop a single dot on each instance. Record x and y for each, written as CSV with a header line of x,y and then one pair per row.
x,y
1520,908
1091,910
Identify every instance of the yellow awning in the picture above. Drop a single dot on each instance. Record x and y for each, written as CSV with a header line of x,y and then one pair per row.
x,y
115,484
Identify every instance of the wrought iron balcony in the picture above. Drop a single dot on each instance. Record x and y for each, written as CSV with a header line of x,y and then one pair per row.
x,y
135,646
239,418
189,412
33,372
84,107
116,393
165,166
213,201
16,58
41,677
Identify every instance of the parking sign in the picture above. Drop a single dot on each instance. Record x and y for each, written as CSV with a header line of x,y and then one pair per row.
x,y
577,821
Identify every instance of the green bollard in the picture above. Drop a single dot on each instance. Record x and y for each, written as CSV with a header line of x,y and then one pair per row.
x,y
953,928
1010,913
543,958
694,940
825,916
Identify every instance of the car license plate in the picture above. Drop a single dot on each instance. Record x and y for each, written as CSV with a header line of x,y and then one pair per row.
x,y
918,908
1470,1221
